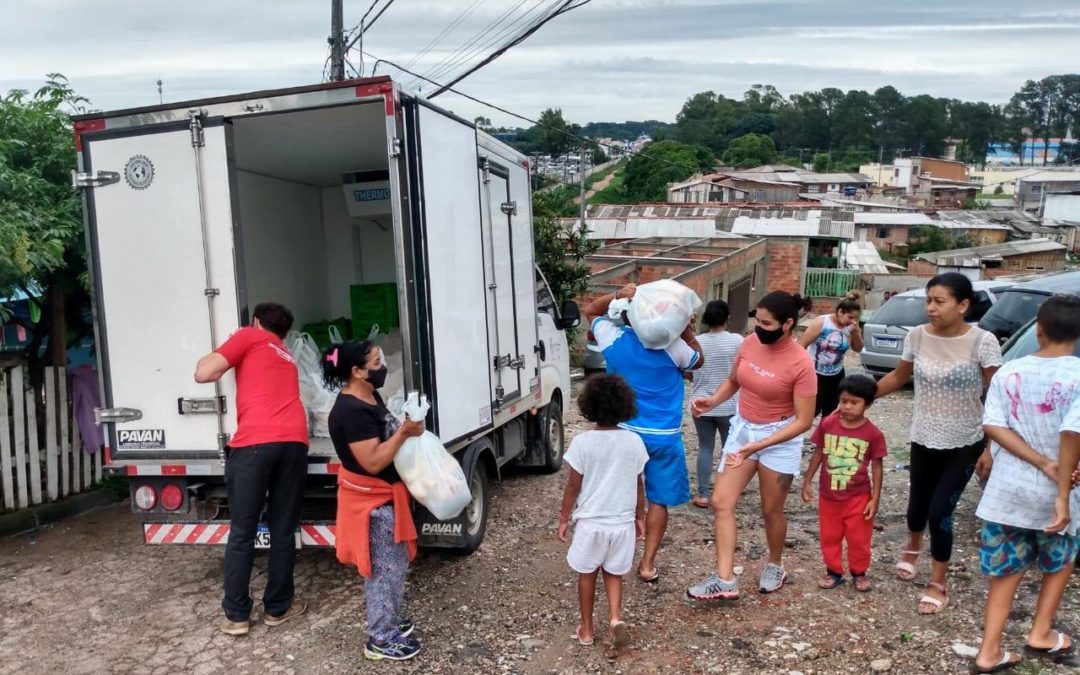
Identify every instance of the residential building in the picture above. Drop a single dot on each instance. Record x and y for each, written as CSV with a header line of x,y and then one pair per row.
x,y
881,174
725,188
889,231
1062,207
982,228
988,179
808,181
989,262
1030,189
735,270
933,183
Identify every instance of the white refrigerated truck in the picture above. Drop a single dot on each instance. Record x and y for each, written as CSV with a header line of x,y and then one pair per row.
x,y
197,211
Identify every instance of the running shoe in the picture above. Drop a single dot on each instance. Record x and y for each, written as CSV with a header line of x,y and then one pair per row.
x,y
406,627
398,648
772,578
714,588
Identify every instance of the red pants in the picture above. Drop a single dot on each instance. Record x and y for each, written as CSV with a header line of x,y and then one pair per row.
x,y
842,520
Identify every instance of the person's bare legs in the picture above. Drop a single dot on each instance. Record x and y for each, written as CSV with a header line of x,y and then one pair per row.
x,y
914,543
939,573
613,588
999,603
774,493
1042,626
655,525
727,488
586,596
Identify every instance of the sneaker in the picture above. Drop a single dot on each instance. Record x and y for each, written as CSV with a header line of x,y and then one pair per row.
x,y
398,648
772,578
714,588
406,627
297,608
236,627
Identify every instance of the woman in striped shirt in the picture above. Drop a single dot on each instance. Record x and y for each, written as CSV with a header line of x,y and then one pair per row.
x,y
720,347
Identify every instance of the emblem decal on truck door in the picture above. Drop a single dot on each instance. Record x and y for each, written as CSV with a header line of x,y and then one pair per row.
x,y
139,172
140,439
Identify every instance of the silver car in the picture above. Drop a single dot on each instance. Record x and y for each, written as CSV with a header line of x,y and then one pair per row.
x,y
884,333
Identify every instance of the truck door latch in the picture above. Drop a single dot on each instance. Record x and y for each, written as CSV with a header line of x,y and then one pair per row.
x,y
116,415
93,180
215,405
509,208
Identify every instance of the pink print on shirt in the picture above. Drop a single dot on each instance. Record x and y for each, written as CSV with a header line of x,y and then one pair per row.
x,y
1057,397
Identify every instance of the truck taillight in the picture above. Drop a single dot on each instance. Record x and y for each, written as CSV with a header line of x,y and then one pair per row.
x,y
172,497
146,497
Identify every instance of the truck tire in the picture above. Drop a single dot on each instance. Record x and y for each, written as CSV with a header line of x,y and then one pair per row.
x,y
553,436
476,513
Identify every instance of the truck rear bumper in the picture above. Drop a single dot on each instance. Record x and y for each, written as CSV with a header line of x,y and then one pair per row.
x,y
320,534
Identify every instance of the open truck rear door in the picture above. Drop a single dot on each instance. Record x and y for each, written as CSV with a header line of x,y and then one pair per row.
x,y
159,215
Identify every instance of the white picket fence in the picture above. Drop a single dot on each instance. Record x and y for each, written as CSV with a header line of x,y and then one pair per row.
x,y
34,470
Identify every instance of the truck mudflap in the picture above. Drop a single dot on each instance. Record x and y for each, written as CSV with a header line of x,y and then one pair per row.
x,y
319,534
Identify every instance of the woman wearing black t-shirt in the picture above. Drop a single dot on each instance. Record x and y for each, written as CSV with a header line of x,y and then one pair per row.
x,y
375,530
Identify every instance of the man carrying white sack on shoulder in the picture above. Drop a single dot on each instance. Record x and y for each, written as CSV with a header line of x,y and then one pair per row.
x,y
656,376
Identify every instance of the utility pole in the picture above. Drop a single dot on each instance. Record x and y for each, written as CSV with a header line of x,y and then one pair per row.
x,y
581,167
161,99
337,40
880,158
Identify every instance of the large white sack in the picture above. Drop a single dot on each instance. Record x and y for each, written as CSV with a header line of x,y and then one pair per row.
x,y
660,312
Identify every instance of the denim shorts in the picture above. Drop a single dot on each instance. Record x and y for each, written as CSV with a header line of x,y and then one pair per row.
x,y
1008,550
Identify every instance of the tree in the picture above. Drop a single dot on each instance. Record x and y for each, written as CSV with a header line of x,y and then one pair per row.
x,y
706,119
40,214
928,238
649,172
750,150
484,123
552,138
560,253
822,162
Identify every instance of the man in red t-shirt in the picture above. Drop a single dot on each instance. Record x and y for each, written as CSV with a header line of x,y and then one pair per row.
x,y
266,460
846,446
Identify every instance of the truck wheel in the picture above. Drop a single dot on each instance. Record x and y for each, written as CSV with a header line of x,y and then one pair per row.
x,y
554,436
476,512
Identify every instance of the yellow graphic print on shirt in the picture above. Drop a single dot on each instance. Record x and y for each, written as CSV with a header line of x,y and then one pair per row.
x,y
844,456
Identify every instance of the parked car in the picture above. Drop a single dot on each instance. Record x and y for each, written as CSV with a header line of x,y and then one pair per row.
x,y
1023,343
1018,305
884,333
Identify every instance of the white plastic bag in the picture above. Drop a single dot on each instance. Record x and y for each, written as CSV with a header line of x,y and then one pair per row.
x,y
315,397
660,312
432,475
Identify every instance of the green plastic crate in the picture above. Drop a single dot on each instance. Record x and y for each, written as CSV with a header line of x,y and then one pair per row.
x,y
373,304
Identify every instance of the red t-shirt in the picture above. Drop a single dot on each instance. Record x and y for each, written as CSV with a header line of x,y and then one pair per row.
x,y
268,408
845,467
770,377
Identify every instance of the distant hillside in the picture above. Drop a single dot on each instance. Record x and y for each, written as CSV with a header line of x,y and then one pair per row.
x,y
626,131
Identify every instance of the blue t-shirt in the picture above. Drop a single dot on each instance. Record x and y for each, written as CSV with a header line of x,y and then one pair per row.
x,y
655,375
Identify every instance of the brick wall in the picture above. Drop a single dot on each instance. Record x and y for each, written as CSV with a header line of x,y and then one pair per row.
x,y
897,235
921,267
787,264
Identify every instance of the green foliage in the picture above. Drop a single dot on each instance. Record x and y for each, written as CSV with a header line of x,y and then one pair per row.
x,y
750,150
560,254
648,172
40,214
625,131
614,193
928,239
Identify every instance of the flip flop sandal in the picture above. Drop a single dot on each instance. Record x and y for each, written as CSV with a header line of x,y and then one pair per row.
x,y
928,599
862,584
700,502
620,635
831,581
1058,649
650,580
904,570
577,636
1005,663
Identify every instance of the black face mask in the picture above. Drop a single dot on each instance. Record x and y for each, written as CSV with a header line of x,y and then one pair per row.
x,y
769,337
377,378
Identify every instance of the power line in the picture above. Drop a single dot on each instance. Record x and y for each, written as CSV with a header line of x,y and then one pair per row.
x,y
481,43
445,31
523,117
364,27
567,6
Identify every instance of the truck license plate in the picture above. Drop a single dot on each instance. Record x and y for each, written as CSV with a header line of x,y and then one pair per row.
x,y
886,342
262,537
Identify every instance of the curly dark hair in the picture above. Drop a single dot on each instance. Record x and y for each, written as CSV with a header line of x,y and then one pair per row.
x,y
607,400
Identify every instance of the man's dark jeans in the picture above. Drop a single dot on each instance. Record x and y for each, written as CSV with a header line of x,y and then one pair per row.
x,y
271,475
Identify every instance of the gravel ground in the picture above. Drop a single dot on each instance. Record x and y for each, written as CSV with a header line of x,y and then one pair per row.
x,y
87,597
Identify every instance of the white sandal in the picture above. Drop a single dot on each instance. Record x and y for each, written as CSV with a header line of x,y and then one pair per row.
x,y
928,599
906,571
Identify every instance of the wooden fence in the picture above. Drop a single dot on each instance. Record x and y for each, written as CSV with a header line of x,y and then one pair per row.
x,y
40,463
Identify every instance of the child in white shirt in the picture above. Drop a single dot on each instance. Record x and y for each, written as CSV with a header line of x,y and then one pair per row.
x,y
1032,415
607,494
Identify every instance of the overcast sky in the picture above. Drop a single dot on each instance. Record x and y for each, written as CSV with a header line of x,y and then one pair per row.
x,y
612,60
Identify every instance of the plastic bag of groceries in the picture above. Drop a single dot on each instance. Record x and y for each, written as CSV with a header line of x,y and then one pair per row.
x,y
315,397
660,311
432,475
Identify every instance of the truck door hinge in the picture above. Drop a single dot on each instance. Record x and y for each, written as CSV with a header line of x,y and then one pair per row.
x,y
93,180
395,147
116,415
215,405
509,208
485,168
196,116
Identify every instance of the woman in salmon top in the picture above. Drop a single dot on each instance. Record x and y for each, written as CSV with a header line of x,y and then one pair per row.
x,y
777,389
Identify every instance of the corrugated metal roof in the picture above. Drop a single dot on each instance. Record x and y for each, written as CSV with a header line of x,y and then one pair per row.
x,y
863,256
809,178
911,219
968,220
640,228
972,257
811,225
1056,176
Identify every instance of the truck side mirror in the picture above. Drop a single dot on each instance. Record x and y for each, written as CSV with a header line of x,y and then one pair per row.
x,y
569,316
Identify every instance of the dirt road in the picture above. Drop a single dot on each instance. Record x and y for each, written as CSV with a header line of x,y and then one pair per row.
x,y
87,597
